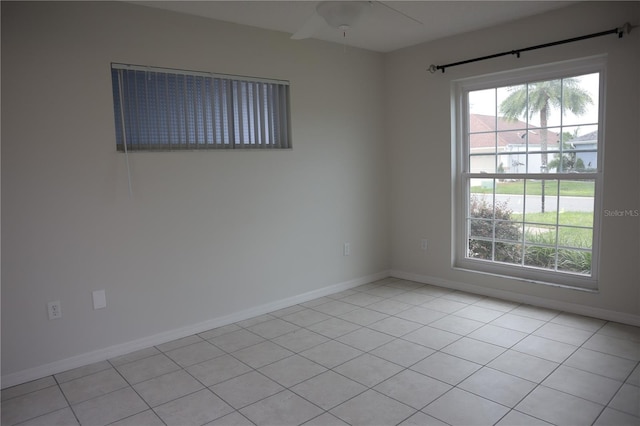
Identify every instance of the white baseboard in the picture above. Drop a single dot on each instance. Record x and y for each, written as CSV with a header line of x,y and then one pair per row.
x,y
157,339
574,308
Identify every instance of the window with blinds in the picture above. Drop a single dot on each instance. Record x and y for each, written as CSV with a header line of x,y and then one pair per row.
x,y
158,109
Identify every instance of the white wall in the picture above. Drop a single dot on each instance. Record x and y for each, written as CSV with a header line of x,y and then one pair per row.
x,y
205,235
419,129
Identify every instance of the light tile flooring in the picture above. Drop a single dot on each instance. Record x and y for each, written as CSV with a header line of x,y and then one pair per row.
x,y
386,353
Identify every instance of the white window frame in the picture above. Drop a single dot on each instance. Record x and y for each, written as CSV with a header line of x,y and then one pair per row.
x,y
460,114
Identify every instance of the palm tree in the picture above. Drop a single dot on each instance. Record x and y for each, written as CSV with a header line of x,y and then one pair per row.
x,y
541,97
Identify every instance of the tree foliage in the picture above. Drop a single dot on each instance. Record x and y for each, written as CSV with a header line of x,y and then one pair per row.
x,y
540,97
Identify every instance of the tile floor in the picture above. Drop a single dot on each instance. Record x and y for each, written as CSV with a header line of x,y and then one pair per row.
x,y
386,353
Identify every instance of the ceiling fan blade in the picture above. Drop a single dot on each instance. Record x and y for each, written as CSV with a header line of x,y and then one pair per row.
x,y
399,12
312,25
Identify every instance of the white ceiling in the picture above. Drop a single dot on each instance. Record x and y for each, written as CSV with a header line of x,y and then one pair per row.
x,y
379,29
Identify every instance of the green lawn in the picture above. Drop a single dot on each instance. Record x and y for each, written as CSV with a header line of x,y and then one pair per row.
x,y
571,237
567,188
564,218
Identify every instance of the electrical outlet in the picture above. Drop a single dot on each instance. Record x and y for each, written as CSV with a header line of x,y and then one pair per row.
x,y
54,309
423,244
346,251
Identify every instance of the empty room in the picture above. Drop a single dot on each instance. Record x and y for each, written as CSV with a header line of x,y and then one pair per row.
x,y
320,213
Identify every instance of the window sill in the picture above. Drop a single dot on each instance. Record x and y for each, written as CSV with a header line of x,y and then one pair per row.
x,y
590,285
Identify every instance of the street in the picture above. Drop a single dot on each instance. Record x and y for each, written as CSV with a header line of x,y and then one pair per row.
x,y
515,203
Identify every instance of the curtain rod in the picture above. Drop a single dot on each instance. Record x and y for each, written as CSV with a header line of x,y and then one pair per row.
x,y
627,27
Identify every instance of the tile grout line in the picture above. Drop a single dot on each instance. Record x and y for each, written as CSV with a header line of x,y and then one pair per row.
x,y
393,338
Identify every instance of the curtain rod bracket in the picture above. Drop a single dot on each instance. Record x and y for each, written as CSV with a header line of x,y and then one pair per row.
x,y
626,28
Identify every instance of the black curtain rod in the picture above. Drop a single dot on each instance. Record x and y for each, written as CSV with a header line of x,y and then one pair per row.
x,y
619,31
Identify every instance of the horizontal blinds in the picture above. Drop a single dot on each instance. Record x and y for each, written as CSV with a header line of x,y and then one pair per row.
x,y
160,109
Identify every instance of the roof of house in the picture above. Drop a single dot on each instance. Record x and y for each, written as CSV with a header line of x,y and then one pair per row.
x,y
509,132
592,136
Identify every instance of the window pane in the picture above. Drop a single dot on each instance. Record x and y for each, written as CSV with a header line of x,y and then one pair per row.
x,y
481,191
541,200
482,143
536,233
482,147
482,164
580,150
540,256
483,102
512,107
508,230
540,144
576,202
481,228
479,249
578,261
544,97
504,163
581,99
575,237
510,197
516,162
538,139
508,253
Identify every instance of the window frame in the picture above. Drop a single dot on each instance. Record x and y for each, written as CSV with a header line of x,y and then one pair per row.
x,y
461,174
192,110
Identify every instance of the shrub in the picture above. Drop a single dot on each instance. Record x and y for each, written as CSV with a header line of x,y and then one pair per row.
x,y
540,256
545,257
480,208
574,261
